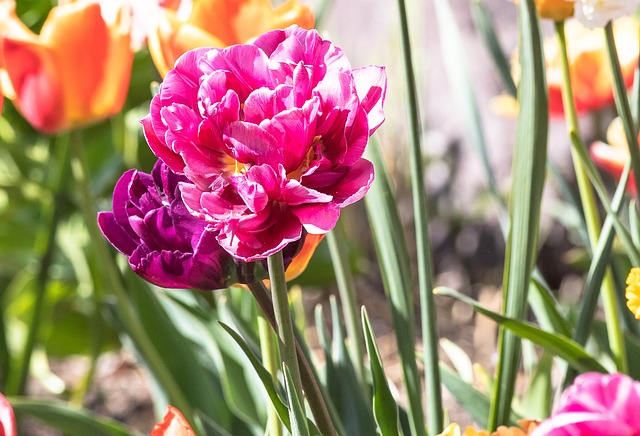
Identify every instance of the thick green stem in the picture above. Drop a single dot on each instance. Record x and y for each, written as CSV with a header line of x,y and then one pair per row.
x,y
269,351
112,278
283,319
589,207
45,244
346,288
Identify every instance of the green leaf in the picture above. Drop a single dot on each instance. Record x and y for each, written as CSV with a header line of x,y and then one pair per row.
x,y
267,381
546,308
537,401
68,419
296,413
472,400
459,359
556,344
385,409
484,24
394,264
457,70
529,170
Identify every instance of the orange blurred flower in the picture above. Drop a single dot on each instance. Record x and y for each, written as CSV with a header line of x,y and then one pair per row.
x,y
76,72
173,424
526,426
556,10
589,64
219,23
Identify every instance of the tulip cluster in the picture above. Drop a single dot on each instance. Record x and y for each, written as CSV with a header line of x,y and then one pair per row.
x,y
260,147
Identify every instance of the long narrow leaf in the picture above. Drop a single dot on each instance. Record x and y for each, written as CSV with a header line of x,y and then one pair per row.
x,y
385,408
263,374
396,274
70,420
297,416
472,400
556,344
484,25
458,74
528,181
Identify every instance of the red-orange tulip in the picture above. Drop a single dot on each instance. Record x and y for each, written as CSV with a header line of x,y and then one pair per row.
x,y
613,157
589,64
220,23
76,72
173,424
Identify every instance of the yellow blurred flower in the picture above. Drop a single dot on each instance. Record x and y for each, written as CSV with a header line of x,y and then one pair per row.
x,y
219,23
633,292
76,72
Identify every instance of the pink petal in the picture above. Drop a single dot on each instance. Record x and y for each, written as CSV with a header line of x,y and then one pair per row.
x,y
371,86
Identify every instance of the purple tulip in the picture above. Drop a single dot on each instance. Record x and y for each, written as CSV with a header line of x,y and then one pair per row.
x,y
270,135
164,243
596,405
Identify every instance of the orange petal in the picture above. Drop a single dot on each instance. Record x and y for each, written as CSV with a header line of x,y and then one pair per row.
x,y
301,260
173,424
112,91
220,23
171,38
33,76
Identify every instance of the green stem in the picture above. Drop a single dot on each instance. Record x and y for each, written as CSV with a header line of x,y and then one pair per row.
x,y
587,197
283,319
313,392
111,276
269,350
425,275
45,244
346,288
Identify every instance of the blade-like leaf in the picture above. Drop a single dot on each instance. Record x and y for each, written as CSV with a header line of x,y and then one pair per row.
x,y
296,412
556,344
385,408
529,171
396,274
472,400
70,420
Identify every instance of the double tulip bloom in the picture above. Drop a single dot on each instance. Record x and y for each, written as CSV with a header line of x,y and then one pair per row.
x,y
218,23
261,147
76,72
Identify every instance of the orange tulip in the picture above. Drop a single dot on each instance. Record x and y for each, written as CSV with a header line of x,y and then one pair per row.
x,y
220,23
173,424
589,64
76,72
